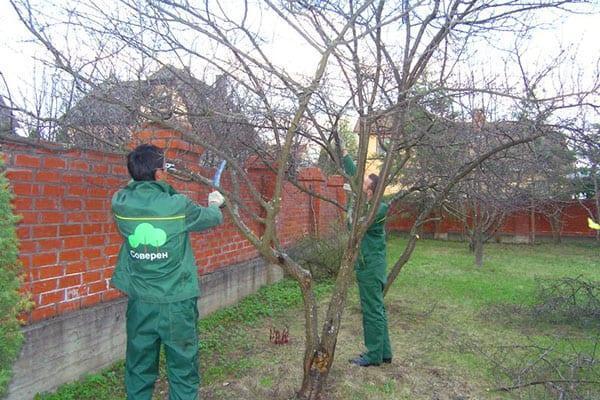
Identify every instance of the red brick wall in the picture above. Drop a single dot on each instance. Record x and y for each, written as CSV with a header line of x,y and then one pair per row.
x,y
68,241
574,222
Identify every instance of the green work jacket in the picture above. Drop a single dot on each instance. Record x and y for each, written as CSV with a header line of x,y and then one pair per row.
x,y
156,262
372,256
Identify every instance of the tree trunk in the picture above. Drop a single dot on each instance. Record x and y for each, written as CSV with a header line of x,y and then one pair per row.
x,y
532,224
478,248
597,197
319,359
408,250
556,238
556,227
314,378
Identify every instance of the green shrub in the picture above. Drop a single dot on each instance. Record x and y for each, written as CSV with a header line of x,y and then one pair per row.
x,y
12,303
322,256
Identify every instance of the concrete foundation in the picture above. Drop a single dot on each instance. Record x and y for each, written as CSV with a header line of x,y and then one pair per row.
x,y
517,239
67,347
440,236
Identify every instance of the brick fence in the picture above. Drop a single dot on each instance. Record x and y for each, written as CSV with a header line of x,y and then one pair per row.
x,y
69,243
520,226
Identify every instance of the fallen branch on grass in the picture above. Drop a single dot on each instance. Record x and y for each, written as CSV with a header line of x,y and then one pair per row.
x,y
544,382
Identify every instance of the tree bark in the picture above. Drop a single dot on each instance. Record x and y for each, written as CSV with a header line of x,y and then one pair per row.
x,y
532,224
478,248
408,250
314,378
318,359
556,227
597,197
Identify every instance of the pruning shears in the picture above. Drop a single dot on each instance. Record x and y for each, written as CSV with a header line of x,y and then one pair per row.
x,y
217,177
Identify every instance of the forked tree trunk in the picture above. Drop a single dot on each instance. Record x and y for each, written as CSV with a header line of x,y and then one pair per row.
x,y
317,365
318,357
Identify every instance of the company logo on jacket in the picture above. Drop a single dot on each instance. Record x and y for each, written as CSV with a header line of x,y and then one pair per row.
x,y
147,235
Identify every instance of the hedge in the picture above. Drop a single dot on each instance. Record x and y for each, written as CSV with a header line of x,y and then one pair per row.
x,y
12,301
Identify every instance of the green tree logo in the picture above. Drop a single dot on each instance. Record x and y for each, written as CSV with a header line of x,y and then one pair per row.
x,y
146,234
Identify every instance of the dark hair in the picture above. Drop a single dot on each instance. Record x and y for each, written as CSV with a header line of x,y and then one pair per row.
x,y
374,182
143,162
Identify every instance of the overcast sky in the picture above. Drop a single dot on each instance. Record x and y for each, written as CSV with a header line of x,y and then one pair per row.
x,y
570,31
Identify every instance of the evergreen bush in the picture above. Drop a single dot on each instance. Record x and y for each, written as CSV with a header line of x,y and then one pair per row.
x,y
12,301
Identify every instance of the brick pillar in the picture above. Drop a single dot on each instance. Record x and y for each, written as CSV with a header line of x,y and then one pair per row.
x,y
335,186
313,179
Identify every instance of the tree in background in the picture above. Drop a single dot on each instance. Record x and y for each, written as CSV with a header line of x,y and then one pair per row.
x,y
483,199
548,187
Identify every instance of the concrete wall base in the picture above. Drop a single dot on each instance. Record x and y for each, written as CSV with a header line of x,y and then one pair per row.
x,y
65,348
440,236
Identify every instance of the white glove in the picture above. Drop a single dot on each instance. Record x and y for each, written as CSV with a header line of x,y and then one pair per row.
x,y
347,187
215,199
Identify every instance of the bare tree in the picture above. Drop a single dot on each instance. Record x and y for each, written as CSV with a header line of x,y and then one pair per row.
x,y
525,178
369,57
550,187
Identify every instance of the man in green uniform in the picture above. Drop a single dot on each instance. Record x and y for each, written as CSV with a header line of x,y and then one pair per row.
x,y
371,276
157,271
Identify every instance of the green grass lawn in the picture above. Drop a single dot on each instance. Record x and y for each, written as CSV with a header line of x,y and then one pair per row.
x,y
457,331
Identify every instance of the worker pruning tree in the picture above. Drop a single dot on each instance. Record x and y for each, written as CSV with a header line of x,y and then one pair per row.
x,y
366,57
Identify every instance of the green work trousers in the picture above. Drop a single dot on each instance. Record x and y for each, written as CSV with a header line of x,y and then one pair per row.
x,y
174,325
375,326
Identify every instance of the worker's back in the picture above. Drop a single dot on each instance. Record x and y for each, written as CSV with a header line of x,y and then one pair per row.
x,y
156,262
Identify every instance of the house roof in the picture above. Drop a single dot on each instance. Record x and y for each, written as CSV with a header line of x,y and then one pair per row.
x,y
116,108
121,102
